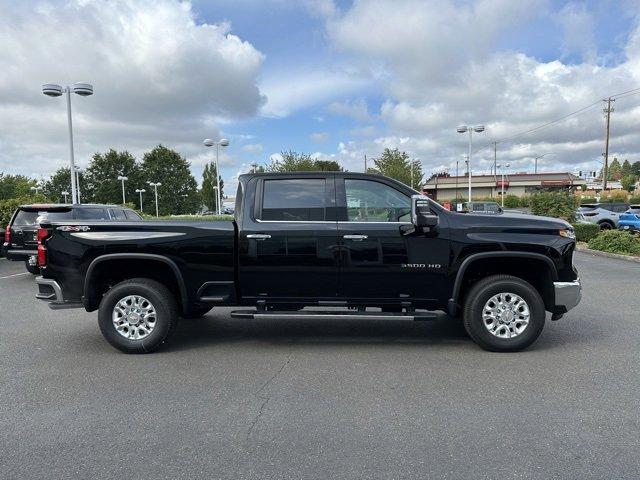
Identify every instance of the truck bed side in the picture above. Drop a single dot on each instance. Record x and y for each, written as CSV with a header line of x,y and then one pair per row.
x,y
196,260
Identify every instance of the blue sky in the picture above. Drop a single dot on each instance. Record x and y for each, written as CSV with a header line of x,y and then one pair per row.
x,y
339,80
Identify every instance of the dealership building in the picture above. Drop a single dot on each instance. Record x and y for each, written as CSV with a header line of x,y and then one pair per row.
x,y
482,186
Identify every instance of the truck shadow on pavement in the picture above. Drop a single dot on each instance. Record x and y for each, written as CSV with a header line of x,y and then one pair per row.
x,y
445,331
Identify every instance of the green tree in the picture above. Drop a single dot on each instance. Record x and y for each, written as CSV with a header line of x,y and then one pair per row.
x,y
208,192
60,182
102,184
328,166
178,193
615,170
302,162
396,164
14,186
626,168
635,168
628,182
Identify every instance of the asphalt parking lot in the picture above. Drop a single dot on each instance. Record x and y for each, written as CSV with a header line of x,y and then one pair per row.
x,y
300,399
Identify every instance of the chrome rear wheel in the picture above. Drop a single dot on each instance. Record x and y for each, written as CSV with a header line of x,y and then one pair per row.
x,y
134,317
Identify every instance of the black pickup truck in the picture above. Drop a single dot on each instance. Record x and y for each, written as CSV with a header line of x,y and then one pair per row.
x,y
316,245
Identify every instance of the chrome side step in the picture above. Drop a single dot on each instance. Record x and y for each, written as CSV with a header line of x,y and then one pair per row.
x,y
313,315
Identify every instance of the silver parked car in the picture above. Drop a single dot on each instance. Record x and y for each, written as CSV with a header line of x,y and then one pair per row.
x,y
606,215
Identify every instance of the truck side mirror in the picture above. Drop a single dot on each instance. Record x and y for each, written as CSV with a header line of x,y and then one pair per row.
x,y
421,215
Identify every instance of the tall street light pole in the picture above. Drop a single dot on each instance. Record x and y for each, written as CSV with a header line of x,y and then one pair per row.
x,y
140,191
77,173
123,179
64,194
84,90
155,186
223,142
465,129
502,169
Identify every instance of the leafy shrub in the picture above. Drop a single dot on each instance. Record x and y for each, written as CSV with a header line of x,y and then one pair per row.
x,y
511,201
585,200
586,231
615,196
554,204
634,200
525,201
616,241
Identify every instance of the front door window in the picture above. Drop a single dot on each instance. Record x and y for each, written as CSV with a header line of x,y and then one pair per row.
x,y
369,201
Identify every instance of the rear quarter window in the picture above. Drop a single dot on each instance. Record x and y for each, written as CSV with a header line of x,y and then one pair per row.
x,y
131,215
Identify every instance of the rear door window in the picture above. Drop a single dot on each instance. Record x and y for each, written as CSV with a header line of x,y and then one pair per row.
x,y
92,214
294,200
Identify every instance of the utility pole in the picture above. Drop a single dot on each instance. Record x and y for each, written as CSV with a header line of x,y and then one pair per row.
x,y
365,164
605,171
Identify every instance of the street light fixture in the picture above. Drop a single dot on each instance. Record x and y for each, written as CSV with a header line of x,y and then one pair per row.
x,y
223,142
503,167
535,168
465,129
140,191
35,189
55,90
64,194
123,179
155,186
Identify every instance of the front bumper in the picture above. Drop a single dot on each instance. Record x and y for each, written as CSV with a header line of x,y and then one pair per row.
x,y
568,294
49,290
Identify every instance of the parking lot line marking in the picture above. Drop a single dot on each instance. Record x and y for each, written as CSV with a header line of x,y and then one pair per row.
x,y
14,275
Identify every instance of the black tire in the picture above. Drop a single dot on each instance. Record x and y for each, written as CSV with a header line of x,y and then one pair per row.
x,y
196,313
606,225
165,319
480,294
33,270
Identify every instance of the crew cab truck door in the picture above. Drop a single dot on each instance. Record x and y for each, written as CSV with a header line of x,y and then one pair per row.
x,y
288,247
384,259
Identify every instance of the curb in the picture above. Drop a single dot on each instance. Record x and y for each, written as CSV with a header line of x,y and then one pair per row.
x,y
598,253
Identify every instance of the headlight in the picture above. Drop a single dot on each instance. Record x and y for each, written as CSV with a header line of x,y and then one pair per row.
x,y
568,233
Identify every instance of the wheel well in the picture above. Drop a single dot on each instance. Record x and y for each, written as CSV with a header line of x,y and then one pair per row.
x,y
536,272
108,273
607,221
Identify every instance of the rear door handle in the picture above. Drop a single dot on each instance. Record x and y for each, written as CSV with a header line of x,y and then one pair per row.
x,y
258,236
357,238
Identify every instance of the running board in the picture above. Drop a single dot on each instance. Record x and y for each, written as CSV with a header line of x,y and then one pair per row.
x,y
313,315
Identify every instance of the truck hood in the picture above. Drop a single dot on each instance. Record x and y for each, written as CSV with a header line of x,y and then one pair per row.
x,y
514,221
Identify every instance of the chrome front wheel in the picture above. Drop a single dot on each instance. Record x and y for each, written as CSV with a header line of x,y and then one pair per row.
x,y
134,317
506,315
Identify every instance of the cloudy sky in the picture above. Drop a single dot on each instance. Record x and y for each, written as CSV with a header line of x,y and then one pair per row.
x,y
339,79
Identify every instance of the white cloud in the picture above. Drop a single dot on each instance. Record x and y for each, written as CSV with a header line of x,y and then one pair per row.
x,y
578,27
159,77
356,109
253,148
303,89
319,137
443,67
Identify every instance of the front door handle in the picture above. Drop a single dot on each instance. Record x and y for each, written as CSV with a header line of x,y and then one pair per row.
x,y
259,236
357,238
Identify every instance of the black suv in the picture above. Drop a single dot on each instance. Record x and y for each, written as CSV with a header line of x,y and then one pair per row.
x,y
20,237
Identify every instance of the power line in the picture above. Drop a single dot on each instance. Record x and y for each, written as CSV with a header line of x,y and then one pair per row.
x,y
626,93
